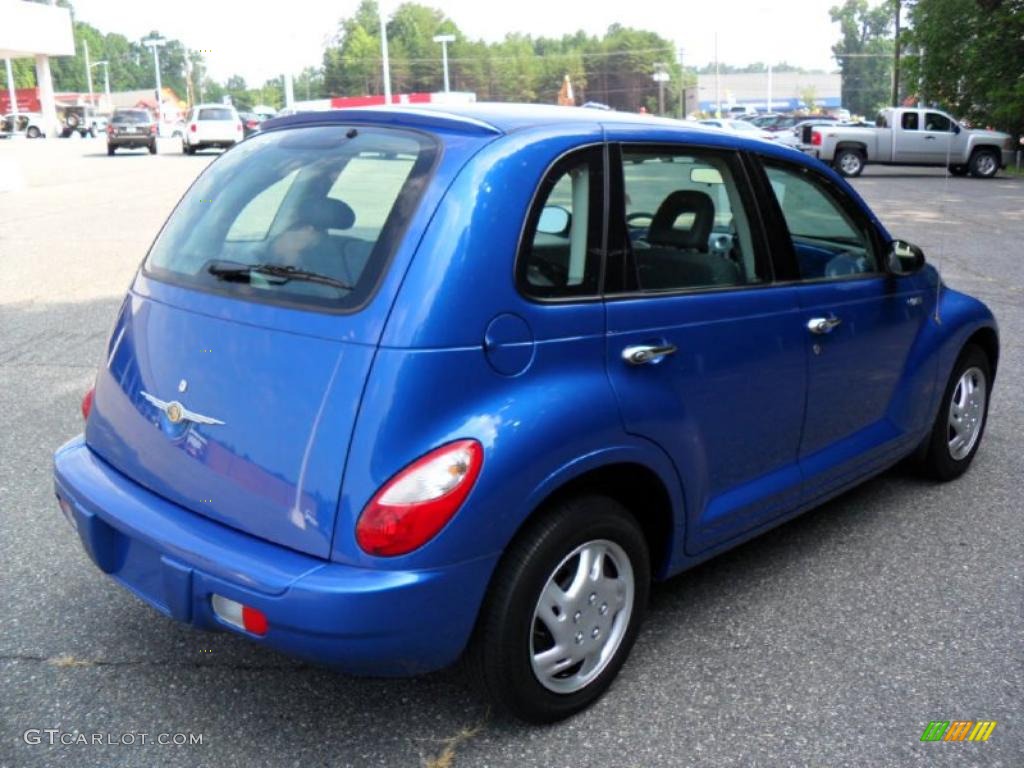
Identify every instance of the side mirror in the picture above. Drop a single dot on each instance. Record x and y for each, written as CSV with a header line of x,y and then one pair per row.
x,y
904,258
956,128
554,220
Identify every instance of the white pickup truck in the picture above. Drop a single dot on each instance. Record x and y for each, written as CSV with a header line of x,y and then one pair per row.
x,y
910,137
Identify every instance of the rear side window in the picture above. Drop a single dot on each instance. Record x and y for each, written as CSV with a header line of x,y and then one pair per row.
x,y
909,121
216,113
306,216
686,221
560,254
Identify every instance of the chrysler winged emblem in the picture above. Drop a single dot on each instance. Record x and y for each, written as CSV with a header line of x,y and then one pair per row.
x,y
177,413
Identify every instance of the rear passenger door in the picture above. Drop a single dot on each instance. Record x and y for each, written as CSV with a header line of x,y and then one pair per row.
x,y
705,355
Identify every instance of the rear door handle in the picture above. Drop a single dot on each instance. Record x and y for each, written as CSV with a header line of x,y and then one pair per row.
x,y
647,353
823,324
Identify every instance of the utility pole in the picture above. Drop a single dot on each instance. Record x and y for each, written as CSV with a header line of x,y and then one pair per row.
x,y
444,40
768,101
718,82
896,58
661,77
682,85
106,79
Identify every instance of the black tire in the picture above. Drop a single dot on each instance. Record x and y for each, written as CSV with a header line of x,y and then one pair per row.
x,y
849,162
72,121
984,164
111,149
152,148
33,132
189,149
500,652
936,459
958,170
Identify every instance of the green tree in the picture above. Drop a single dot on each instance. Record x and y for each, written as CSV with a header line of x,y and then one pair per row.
x,y
970,59
865,53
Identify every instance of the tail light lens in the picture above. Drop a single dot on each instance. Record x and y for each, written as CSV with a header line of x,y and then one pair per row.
x,y
87,403
110,130
414,505
192,127
152,129
816,138
242,616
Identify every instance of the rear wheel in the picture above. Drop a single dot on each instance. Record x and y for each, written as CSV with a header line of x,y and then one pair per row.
x,y
33,132
849,162
984,164
563,610
960,422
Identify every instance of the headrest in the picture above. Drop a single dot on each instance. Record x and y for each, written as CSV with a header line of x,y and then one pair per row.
x,y
325,213
663,231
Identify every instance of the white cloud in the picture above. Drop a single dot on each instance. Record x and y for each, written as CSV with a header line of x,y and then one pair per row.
x,y
259,41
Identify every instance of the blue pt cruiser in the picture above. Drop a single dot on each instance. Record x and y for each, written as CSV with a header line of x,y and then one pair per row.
x,y
394,385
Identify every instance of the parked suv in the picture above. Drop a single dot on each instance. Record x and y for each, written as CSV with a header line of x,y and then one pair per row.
x,y
396,384
211,125
132,129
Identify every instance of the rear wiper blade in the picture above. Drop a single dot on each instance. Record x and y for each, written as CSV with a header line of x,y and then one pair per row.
x,y
284,273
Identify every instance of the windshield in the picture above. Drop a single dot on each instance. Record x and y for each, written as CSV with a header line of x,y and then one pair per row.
x,y
304,216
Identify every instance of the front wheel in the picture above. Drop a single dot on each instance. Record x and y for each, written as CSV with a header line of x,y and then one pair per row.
x,y
984,164
563,610
960,422
849,162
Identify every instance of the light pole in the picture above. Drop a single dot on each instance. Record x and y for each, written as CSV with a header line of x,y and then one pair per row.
x,y
384,55
444,40
88,69
155,43
661,77
106,78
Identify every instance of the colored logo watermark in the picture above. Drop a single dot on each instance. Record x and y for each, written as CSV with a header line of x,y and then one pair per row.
x,y
958,730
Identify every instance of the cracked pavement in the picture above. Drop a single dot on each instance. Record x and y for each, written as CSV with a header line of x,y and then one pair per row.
x,y
832,640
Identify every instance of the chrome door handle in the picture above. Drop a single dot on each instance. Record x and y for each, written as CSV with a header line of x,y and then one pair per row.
x,y
647,353
914,301
823,324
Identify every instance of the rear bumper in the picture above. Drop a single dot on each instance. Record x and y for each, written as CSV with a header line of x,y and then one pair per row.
x,y
359,620
143,140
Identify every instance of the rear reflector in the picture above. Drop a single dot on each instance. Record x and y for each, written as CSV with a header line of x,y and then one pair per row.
x,y
87,403
241,616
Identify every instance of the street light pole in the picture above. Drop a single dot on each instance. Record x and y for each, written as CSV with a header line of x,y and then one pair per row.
x,y
106,78
88,68
384,55
155,43
444,40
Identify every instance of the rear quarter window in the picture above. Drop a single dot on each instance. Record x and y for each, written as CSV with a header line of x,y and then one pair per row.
x,y
305,216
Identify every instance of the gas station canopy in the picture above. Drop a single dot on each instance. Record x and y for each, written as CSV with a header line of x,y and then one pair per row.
x,y
33,29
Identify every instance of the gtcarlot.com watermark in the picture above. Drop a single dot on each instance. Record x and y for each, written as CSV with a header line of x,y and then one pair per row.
x,y
55,737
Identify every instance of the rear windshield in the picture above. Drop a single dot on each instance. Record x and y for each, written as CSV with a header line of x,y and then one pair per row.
x,y
306,216
216,113
134,116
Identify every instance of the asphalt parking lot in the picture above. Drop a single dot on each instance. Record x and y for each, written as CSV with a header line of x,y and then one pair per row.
x,y
831,641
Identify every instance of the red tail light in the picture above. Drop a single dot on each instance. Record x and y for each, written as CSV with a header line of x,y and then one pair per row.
x,y
87,403
816,138
192,127
152,129
110,130
414,505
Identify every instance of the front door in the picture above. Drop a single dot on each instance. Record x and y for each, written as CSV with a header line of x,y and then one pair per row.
x,y
706,357
859,324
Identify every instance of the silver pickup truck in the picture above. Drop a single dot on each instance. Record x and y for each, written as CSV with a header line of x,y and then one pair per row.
x,y
910,137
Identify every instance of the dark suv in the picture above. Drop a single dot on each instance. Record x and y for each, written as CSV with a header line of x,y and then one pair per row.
x,y
132,128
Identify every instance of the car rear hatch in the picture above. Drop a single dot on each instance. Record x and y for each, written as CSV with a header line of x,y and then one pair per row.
x,y
217,124
235,370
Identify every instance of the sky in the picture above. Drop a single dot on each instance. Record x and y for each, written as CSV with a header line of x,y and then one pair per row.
x,y
260,40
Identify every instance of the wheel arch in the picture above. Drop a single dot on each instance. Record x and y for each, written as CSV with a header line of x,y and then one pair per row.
x,y
986,338
650,490
857,146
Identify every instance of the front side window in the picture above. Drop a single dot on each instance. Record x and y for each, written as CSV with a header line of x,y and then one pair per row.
x,y
306,216
933,121
560,255
687,225
827,239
